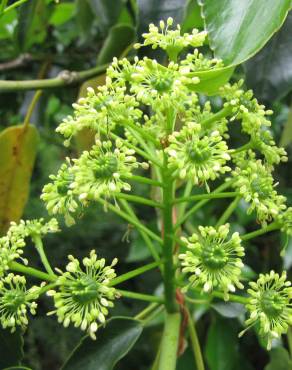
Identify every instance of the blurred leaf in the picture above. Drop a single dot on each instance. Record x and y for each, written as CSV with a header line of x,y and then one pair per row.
x,y
192,17
32,24
279,360
211,81
138,250
113,343
119,37
62,13
287,258
221,348
8,22
106,11
286,137
17,368
269,73
84,16
229,309
11,348
239,29
18,150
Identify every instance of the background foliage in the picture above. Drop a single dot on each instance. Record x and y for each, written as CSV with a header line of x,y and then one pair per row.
x,y
40,39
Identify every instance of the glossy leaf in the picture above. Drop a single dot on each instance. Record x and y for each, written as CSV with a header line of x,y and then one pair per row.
x,y
212,80
239,29
280,360
229,309
269,73
112,343
221,348
18,150
62,13
11,348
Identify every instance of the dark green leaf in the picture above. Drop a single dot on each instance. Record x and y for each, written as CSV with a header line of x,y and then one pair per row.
x,y
269,73
106,11
84,17
118,39
11,348
229,309
239,29
112,343
7,24
138,250
32,24
221,348
279,360
192,17
18,150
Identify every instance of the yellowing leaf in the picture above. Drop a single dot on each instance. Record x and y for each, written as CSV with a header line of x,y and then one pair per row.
x,y
17,155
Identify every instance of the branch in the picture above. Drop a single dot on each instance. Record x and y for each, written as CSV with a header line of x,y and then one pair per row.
x,y
64,78
20,61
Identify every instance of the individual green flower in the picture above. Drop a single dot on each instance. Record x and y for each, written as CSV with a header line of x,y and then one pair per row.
x,y
11,247
16,301
256,184
58,195
103,109
102,170
196,157
270,305
172,41
84,294
159,86
213,260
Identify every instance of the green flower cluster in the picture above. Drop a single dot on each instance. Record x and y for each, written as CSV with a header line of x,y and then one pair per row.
x,y
270,305
84,294
213,260
16,301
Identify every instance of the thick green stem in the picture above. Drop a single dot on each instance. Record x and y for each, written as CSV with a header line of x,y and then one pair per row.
x,y
15,266
228,212
131,274
140,296
273,226
195,343
170,339
168,242
40,248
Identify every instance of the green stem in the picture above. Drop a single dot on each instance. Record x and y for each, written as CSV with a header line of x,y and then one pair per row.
x,y
241,149
31,107
142,132
289,339
197,206
63,79
228,212
206,196
144,180
145,237
131,274
137,199
140,296
168,242
195,343
130,219
217,116
169,345
40,248
14,5
141,315
273,226
15,266
232,297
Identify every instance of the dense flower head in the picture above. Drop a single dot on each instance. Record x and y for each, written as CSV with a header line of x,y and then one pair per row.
x,y
101,110
196,157
16,301
58,195
196,62
172,41
285,220
11,247
255,183
213,260
102,170
83,294
270,305
35,227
